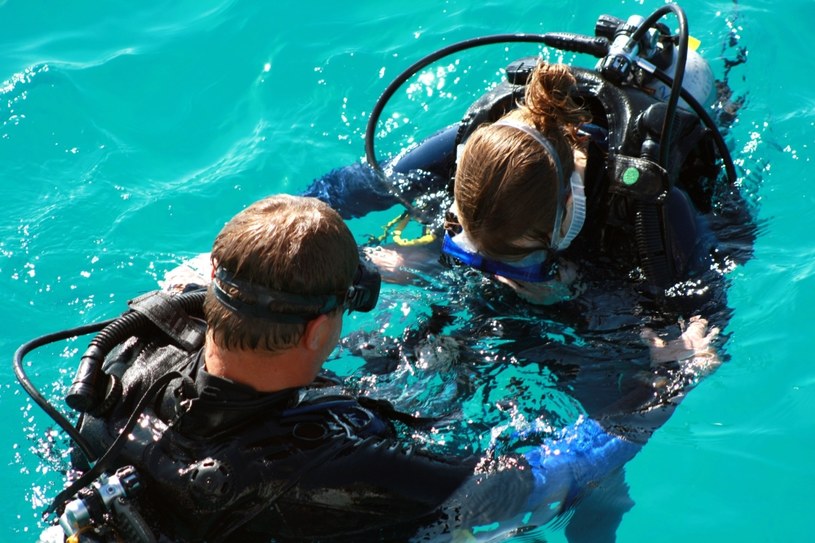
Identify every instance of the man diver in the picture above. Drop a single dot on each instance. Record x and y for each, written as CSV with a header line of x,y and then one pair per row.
x,y
241,439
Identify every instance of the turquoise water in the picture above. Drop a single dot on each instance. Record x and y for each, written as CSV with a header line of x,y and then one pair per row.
x,y
132,131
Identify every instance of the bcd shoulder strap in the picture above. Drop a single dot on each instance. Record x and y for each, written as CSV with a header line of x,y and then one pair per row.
x,y
166,313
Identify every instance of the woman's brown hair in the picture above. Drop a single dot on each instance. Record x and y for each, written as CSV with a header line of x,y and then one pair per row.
x,y
506,183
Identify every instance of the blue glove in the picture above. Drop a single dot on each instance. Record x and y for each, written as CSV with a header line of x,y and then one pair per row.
x,y
583,453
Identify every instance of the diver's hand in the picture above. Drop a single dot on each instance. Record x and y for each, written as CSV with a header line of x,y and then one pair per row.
x,y
694,345
547,292
386,260
405,265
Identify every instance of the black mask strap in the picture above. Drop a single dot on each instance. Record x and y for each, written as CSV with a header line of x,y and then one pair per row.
x,y
248,299
251,300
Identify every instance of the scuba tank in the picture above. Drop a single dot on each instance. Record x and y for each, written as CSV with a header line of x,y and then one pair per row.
x,y
658,49
698,80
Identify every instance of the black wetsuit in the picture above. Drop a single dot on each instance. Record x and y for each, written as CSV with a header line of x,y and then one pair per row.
x,y
220,461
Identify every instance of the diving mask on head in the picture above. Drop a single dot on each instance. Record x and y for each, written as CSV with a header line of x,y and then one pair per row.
x,y
251,300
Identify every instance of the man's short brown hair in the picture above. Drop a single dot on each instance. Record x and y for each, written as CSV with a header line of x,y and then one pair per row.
x,y
291,244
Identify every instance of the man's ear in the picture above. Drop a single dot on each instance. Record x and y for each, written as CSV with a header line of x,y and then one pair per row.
x,y
317,332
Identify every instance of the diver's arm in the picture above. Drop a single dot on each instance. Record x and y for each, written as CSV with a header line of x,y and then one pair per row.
x,y
563,288
677,366
379,490
353,191
358,189
533,487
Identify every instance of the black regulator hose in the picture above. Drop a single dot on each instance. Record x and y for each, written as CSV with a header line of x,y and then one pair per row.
x,y
92,387
679,74
596,46
707,120
39,399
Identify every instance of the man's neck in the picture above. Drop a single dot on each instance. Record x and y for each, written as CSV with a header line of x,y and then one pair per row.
x,y
261,370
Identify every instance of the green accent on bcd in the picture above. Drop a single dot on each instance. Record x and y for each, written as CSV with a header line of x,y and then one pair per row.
x,y
630,176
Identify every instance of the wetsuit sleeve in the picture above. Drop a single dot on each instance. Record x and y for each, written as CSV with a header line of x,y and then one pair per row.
x,y
396,474
357,189
541,483
376,490
353,191
536,484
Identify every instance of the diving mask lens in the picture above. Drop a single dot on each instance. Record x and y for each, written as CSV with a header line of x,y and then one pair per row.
x,y
535,267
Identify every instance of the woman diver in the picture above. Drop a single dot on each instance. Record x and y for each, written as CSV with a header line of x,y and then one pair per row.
x,y
519,194
587,195
561,165
532,189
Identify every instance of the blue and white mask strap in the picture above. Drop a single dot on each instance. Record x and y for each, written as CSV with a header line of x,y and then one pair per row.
x,y
561,182
578,211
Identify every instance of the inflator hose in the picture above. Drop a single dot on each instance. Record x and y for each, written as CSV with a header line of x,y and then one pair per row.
x,y
91,385
649,224
93,389
679,74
